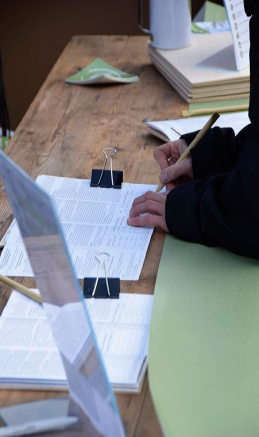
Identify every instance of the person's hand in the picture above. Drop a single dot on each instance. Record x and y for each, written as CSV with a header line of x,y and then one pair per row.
x,y
173,175
153,206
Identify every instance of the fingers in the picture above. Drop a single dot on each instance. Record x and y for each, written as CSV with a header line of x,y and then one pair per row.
x,y
172,172
148,206
169,150
148,220
162,154
149,195
152,205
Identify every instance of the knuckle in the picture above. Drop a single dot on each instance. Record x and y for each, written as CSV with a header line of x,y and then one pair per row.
x,y
149,203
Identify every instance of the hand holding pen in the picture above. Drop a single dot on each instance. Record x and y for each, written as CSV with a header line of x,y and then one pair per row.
x,y
149,210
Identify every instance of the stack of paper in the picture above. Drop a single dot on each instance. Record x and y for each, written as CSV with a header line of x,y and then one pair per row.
x,y
29,358
204,71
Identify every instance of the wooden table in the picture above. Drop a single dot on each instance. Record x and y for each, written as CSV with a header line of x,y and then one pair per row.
x,y
64,132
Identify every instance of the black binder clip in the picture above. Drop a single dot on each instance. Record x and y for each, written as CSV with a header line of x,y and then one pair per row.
x,y
102,288
105,178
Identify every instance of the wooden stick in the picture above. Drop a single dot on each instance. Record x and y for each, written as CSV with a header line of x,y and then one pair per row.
x,y
19,287
198,137
207,111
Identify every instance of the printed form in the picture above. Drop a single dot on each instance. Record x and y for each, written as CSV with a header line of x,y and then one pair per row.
x,y
28,353
93,220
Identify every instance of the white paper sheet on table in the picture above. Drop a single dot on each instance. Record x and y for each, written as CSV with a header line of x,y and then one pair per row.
x,y
93,220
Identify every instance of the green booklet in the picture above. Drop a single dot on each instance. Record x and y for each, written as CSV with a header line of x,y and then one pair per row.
x,y
101,72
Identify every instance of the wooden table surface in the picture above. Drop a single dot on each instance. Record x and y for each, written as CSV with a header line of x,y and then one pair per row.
x,y
64,132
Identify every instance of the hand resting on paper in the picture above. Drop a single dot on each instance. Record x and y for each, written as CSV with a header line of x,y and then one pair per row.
x,y
173,175
153,206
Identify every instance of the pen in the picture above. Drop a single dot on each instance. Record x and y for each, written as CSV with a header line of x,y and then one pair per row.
x,y
38,426
198,137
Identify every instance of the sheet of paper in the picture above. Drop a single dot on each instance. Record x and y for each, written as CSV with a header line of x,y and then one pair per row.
x,y
93,220
239,25
28,350
128,309
173,129
27,347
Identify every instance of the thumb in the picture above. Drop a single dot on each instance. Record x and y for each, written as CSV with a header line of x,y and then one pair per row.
x,y
171,173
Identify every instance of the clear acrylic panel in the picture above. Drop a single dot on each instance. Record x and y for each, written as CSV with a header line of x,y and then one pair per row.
x,y
90,393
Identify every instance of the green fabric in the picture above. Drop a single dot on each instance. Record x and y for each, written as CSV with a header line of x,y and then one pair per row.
x,y
214,12
204,342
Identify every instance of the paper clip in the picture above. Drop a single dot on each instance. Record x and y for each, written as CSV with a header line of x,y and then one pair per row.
x,y
105,270
102,288
104,178
105,162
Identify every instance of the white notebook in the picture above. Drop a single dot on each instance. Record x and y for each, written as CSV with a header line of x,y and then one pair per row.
x,y
171,130
29,358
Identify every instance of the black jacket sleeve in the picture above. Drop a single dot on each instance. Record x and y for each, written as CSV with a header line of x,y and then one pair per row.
x,y
223,209
218,151
220,207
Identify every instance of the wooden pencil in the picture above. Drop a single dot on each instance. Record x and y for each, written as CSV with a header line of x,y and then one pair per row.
x,y
21,288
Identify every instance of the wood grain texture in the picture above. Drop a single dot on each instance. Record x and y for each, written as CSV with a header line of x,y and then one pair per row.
x,y
64,132
148,425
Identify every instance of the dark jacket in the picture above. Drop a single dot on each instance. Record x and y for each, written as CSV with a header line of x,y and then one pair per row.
x,y
220,206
